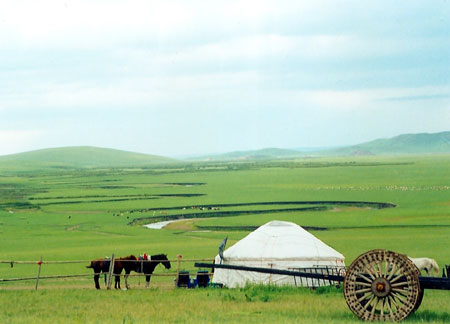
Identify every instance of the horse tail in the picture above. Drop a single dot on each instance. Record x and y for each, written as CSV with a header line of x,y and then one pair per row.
x,y
90,266
435,266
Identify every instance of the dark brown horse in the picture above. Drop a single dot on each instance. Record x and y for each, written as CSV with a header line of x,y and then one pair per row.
x,y
128,263
147,265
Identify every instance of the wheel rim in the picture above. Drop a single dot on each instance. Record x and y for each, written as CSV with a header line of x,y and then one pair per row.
x,y
382,285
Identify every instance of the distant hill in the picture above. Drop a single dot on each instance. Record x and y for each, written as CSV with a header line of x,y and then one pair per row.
x,y
263,154
95,157
403,144
82,157
423,143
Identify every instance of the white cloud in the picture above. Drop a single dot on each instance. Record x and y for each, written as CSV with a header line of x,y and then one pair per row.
x,y
326,100
83,23
267,45
75,24
197,91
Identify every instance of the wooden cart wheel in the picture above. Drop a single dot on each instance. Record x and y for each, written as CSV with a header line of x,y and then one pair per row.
x,y
419,299
382,285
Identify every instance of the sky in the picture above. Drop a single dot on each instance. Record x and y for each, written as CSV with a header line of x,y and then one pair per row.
x,y
178,78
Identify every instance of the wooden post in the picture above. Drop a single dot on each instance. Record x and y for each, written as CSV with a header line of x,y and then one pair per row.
x,y
110,273
142,270
38,274
179,256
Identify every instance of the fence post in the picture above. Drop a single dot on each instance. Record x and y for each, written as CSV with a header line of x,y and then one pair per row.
x,y
110,273
179,256
38,274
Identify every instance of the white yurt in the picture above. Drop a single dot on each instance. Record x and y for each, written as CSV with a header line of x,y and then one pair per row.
x,y
278,245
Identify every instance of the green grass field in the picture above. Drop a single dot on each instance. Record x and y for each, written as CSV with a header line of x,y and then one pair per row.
x,y
82,214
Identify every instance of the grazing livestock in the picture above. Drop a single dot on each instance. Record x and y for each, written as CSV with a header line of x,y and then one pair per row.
x,y
426,264
130,263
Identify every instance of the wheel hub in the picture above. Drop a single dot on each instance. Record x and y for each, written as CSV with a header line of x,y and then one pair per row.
x,y
381,287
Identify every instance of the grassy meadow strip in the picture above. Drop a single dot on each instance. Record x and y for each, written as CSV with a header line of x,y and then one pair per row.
x,y
252,304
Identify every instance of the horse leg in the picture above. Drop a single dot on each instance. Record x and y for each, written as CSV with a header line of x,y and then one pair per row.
x,y
97,285
117,281
97,271
147,281
127,273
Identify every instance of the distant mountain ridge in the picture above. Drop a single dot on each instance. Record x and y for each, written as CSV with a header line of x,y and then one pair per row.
x,y
83,157
422,143
262,154
95,157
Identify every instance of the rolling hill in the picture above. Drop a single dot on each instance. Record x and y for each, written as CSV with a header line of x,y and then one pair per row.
x,y
263,154
81,157
422,143
95,157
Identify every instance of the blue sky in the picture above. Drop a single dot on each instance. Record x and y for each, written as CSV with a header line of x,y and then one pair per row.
x,y
180,78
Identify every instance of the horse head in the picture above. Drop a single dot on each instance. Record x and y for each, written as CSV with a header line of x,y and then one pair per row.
x,y
162,258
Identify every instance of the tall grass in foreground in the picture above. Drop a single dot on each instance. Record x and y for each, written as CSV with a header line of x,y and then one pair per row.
x,y
252,304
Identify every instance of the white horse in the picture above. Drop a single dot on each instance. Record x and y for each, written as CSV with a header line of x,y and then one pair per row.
x,y
426,264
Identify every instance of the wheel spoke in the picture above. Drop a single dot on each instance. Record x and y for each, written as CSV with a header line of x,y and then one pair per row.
x,y
370,300
383,308
400,297
399,276
389,306
371,275
394,302
399,284
365,284
385,269
380,268
363,290
374,308
393,271
388,268
360,275
363,297
375,270
403,292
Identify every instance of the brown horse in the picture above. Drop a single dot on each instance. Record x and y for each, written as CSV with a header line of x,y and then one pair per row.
x,y
128,263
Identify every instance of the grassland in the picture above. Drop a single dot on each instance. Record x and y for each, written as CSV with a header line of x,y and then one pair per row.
x,y
250,305
82,214
64,158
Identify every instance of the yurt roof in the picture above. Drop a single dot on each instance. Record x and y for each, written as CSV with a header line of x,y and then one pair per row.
x,y
281,240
